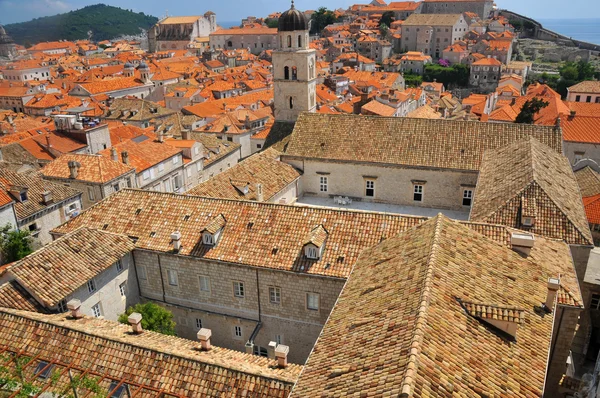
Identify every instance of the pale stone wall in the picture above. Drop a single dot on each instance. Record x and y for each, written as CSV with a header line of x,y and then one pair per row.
x,y
223,164
393,184
98,138
575,151
47,220
583,97
8,216
220,310
432,40
565,324
482,8
107,294
22,75
156,180
256,43
287,195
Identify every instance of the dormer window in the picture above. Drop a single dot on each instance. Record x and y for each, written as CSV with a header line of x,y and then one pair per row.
x,y
213,231
314,245
23,196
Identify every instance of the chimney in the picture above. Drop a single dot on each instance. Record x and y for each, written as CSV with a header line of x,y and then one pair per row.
x,y
73,169
281,353
135,320
185,134
176,238
572,115
47,197
113,154
204,337
249,347
125,157
160,136
522,242
553,285
271,349
259,193
75,307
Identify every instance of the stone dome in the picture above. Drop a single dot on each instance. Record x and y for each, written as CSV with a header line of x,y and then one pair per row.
x,y
143,65
128,65
292,20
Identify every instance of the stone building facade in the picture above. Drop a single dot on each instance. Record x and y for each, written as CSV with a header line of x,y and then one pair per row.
x,y
483,8
432,33
177,33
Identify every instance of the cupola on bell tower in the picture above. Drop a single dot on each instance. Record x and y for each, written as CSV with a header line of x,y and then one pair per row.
x,y
294,67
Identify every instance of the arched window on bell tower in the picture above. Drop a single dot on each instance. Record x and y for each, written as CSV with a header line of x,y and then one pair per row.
x,y
291,103
286,73
294,73
289,41
299,41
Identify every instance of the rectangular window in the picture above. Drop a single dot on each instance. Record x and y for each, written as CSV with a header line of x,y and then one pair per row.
x,y
595,304
370,188
467,197
204,283
123,289
312,301
91,286
588,99
238,289
260,351
62,306
275,295
116,187
96,311
146,175
237,331
577,98
161,167
418,193
141,270
279,339
119,265
198,323
91,193
176,160
323,184
172,277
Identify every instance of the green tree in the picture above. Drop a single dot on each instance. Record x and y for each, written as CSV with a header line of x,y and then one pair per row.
x,y
383,29
412,79
456,75
272,22
154,317
320,19
14,244
530,108
387,18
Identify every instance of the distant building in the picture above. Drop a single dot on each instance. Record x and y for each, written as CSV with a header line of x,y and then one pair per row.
x,y
483,8
431,34
177,33
588,91
255,39
485,74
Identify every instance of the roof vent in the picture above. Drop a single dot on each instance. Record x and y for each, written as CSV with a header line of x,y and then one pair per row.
x,y
522,242
281,353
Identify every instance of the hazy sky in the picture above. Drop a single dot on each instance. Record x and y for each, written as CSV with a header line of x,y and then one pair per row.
x,y
233,10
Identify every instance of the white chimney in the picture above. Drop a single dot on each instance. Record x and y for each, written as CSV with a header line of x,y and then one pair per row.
x,y
135,320
259,193
522,242
553,285
204,337
176,238
75,307
113,154
271,349
281,353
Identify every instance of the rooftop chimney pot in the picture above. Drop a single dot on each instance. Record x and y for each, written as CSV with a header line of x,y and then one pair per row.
x,y
259,193
522,242
553,285
204,337
125,157
75,307
281,353
176,238
113,154
135,320
271,349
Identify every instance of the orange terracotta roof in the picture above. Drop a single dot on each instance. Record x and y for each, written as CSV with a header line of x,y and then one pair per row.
x,y
592,209
94,168
487,62
143,155
581,129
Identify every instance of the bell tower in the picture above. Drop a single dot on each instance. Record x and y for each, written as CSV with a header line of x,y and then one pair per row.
x,y
294,68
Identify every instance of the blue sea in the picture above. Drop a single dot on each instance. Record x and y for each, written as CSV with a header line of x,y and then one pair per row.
x,y
581,29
